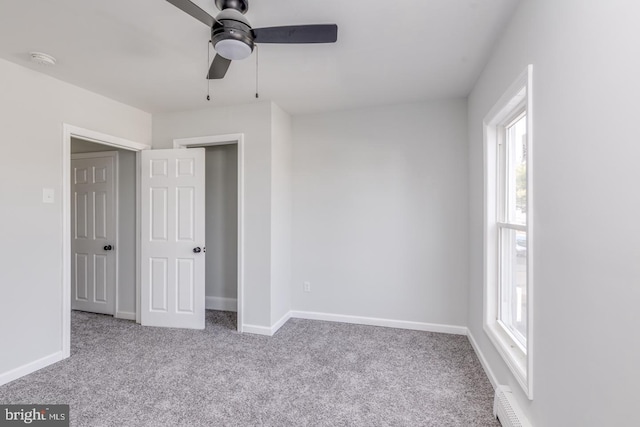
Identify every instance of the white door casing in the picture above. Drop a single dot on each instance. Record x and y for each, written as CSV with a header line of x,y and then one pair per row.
x,y
93,232
172,231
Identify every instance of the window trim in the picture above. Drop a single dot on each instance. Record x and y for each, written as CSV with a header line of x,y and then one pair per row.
x,y
514,101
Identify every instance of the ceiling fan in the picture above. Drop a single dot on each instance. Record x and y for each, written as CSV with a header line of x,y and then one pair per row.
x,y
234,39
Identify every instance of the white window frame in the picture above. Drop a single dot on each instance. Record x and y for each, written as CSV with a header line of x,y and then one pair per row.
x,y
518,358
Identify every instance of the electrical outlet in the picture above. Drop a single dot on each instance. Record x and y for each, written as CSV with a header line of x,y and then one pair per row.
x,y
306,286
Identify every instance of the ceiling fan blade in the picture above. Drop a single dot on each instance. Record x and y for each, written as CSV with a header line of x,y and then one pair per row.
x,y
219,67
195,11
322,33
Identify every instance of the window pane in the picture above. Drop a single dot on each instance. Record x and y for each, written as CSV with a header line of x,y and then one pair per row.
x,y
513,283
516,171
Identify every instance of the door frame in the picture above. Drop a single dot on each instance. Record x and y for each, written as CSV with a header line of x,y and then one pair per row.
x,y
228,139
116,208
69,131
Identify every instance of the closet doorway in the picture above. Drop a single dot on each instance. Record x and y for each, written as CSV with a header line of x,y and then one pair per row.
x,y
224,236
103,229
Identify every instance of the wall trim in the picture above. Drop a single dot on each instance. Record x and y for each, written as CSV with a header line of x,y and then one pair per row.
x,y
125,315
231,138
104,139
138,283
267,331
387,323
30,367
280,323
257,330
356,320
483,360
221,304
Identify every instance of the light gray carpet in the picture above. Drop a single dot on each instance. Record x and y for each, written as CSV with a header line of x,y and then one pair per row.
x,y
309,374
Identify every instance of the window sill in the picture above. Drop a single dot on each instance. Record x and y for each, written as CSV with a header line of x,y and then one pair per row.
x,y
511,353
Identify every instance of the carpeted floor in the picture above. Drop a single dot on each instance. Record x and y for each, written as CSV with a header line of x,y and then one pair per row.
x,y
310,373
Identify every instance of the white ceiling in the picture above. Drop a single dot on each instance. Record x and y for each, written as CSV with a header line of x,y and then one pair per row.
x,y
149,54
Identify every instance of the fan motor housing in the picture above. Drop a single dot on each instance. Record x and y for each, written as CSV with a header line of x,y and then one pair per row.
x,y
241,6
232,25
233,30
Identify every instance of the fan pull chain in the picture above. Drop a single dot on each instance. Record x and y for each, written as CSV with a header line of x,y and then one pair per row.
x,y
257,96
208,65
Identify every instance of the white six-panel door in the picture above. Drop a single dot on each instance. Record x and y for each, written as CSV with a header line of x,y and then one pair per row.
x,y
93,228
172,238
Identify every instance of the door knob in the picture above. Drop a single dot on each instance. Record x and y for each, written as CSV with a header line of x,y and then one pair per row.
x,y
197,250
108,248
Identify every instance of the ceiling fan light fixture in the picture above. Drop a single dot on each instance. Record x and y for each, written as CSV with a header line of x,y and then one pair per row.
x,y
233,49
234,39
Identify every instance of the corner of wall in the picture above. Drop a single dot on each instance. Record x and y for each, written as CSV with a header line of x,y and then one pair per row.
x,y
281,213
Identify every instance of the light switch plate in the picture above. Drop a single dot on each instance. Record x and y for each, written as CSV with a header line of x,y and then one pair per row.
x,y
47,195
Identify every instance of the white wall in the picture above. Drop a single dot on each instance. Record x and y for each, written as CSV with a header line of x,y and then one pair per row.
x,y
222,221
33,108
254,121
585,160
380,212
281,212
126,221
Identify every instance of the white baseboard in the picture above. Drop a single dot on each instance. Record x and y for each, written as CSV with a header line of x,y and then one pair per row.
x,y
280,323
483,361
220,303
388,323
267,331
23,370
258,330
125,315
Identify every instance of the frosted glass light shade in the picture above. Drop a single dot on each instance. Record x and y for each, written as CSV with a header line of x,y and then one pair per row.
x,y
233,49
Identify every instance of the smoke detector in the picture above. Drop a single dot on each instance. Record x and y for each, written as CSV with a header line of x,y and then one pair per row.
x,y
42,58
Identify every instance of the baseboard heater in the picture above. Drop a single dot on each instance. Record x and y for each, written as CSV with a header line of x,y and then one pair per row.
x,y
506,409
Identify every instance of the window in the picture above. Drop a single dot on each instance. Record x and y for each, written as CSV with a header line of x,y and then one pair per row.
x,y
512,229
508,225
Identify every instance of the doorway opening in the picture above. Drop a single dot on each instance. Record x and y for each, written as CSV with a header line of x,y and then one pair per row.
x,y
224,212
79,139
221,222
103,229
